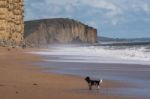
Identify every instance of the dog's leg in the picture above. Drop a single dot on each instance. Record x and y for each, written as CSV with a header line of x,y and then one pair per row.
x,y
98,87
90,87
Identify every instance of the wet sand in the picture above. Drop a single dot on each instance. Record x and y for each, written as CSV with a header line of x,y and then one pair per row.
x,y
20,78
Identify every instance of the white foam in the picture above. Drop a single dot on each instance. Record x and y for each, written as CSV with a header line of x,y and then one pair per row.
x,y
97,54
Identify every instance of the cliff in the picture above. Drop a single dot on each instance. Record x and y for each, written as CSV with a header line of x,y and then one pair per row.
x,y
40,33
11,22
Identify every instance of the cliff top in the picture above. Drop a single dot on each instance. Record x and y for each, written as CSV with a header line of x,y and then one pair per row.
x,y
31,25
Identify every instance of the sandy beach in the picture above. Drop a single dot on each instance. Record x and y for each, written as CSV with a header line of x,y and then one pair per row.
x,y
21,79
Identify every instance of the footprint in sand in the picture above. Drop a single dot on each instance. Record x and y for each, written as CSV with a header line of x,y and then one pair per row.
x,y
35,84
17,92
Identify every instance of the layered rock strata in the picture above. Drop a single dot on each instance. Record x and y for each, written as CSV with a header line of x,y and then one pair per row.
x,y
60,30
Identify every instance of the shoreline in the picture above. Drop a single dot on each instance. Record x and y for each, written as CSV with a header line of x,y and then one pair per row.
x,y
21,79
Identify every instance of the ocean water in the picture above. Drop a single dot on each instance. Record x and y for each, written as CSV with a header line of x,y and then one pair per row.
x,y
128,64
100,54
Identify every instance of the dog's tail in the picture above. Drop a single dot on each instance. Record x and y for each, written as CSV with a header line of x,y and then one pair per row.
x,y
101,81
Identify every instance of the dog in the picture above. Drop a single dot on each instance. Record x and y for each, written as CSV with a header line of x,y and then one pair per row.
x,y
93,82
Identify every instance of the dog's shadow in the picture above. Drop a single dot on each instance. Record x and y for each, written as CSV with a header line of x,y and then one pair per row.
x,y
87,91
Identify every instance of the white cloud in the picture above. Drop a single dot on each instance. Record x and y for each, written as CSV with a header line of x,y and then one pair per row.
x,y
102,4
112,10
146,8
61,3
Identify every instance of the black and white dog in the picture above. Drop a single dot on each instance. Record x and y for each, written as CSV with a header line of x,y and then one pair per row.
x,y
93,83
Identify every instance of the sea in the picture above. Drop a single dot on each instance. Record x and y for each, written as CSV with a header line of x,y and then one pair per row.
x,y
125,62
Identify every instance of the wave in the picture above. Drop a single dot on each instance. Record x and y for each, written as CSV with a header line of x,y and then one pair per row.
x,y
99,54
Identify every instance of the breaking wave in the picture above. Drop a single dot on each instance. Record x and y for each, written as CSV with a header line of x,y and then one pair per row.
x,y
99,54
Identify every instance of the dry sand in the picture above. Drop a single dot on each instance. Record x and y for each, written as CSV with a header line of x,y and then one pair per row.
x,y
21,79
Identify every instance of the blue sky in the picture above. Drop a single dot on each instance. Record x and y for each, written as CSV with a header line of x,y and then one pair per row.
x,y
112,18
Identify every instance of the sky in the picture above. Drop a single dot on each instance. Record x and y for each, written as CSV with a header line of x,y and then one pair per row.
x,y
112,18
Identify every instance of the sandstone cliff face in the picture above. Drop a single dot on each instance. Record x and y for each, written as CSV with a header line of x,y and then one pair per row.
x,y
11,22
42,32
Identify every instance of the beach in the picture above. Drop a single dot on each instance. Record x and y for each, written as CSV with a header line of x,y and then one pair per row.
x,y
22,78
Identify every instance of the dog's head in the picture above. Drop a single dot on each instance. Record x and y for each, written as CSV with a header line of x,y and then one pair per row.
x,y
87,79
